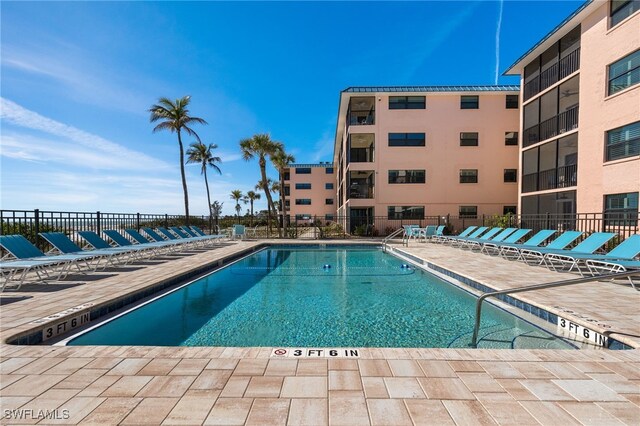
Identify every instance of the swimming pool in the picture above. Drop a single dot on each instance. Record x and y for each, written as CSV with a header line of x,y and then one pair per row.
x,y
341,296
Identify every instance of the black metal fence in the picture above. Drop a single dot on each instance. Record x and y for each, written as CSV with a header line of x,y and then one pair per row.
x,y
30,222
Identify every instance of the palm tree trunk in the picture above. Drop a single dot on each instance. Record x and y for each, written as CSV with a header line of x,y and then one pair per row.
x,y
184,180
284,205
251,202
267,193
206,184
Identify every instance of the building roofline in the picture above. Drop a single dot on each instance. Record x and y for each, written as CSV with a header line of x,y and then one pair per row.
x,y
321,164
550,34
432,89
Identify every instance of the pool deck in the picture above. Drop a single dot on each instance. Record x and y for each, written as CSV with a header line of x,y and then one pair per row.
x,y
218,385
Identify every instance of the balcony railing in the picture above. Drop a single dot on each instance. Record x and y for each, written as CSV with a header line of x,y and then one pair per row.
x,y
362,118
556,72
562,177
361,155
556,125
361,191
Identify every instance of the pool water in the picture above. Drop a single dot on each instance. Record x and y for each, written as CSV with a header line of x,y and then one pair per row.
x,y
318,297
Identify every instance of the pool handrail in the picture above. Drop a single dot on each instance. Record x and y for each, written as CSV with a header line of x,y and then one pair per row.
x,y
582,280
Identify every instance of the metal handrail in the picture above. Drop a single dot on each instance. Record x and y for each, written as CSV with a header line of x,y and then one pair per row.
x,y
476,328
390,236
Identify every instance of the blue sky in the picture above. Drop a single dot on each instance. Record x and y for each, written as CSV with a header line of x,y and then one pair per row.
x,y
77,79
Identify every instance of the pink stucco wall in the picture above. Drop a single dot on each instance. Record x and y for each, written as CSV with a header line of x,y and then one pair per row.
x,y
601,46
442,158
318,192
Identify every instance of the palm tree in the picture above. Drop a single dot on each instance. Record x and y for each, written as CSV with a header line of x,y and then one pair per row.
x,y
174,116
281,161
237,196
201,153
261,146
251,197
216,211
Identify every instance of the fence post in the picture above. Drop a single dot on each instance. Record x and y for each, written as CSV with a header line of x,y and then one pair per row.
x,y
483,220
98,224
138,221
166,220
36,220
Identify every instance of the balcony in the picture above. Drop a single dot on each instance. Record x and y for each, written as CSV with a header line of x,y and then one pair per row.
x,y
556,72
562,177
554,126
360,191
361,148
362,118
361,111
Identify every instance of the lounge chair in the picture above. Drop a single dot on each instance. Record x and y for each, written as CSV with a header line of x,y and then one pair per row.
x,y
159,245
158,238
497,238
462,242
512,250
625,251
598,267
441,238
30,259
425,233
511,239
474,233
205,239
63,245
123,243
590,244
561,242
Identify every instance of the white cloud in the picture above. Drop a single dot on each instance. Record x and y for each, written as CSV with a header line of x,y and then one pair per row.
x,y
497,70
91,150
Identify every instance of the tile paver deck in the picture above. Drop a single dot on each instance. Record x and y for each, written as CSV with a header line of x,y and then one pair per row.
x,y
153,385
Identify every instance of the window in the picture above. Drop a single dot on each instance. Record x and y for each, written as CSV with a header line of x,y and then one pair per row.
x,y
620,9
328,186
287,190
510,175
407,102
469,139
329,170
405,212
511,138
624,73
303,201
509,210
468,212
303,217
287,203
328,217
406,176
623,142
406,139
303,170
469,102
328,201
303,186
469,176
512,102
287,175
621,209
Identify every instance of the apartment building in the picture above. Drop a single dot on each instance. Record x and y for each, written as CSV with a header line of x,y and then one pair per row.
x,y
580,127
413,152
310,191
